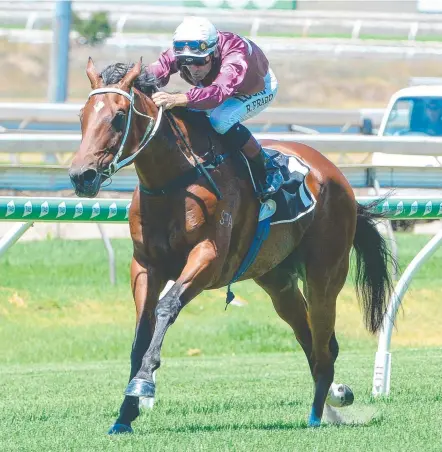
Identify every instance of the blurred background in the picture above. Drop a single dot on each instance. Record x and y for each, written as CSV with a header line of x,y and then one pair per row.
x,y
340,65
331,54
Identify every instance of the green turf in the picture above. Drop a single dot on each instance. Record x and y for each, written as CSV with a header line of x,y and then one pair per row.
x,y
253,402
65,337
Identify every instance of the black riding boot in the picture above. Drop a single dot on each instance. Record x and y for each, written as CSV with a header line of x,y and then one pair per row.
x,y
270,177
269,174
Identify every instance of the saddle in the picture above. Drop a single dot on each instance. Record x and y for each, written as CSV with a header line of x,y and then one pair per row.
x,y
294,199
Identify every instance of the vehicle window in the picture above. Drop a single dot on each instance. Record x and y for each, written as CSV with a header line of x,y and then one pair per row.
x,y
416,116
399,118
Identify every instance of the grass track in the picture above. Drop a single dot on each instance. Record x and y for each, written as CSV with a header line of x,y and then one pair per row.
x,y
254,402
65,337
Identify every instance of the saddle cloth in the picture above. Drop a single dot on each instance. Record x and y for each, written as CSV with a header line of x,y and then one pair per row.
x,y
294,200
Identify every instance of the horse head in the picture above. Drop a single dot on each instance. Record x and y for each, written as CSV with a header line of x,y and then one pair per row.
x,y
113,129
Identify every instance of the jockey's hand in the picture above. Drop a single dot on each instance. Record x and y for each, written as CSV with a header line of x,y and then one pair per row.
x,y
168,101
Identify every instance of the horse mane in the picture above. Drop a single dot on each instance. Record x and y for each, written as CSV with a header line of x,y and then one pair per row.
x,y
147,84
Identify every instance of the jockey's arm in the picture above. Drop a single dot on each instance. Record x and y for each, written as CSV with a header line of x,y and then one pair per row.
x,y
231,75
163,68
168,100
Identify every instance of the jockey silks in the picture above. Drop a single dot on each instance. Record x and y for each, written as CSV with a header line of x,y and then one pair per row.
x,y
240,67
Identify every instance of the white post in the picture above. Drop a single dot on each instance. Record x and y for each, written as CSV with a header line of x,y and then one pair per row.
x,y
255,27
110,253
356,29
382,366
13,235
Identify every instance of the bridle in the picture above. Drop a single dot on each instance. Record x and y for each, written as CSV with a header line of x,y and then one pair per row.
x,y
150,132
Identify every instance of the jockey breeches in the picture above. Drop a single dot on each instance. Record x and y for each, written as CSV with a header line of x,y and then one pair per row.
x,y
242,107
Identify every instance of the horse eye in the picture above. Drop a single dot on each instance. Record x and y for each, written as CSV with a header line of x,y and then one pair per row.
x,y
118,121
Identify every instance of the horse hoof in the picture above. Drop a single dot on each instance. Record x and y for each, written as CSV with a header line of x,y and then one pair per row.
x,y
140,388
313,420
340,395
146,403
118,429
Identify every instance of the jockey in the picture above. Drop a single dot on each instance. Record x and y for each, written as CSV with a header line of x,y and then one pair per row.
x,y
231,82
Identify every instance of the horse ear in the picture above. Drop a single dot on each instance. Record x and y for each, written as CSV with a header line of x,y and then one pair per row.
x,y
93,75
131,75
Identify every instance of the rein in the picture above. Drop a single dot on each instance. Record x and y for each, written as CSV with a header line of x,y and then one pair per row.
x,y
198,164
150,132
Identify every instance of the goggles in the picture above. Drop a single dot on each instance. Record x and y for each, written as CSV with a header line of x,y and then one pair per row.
x,y
195,47
190,60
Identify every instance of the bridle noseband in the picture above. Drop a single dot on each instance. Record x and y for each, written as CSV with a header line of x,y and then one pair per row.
x,y
150,132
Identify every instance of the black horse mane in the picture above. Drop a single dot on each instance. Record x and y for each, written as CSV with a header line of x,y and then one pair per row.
x,y
147,84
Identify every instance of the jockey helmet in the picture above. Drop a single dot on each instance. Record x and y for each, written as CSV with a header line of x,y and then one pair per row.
x,y
194,41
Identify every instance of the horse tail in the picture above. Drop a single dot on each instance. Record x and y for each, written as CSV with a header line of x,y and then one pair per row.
x,y
373,257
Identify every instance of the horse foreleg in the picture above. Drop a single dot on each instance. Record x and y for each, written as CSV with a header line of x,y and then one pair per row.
x,y
146,286
193,279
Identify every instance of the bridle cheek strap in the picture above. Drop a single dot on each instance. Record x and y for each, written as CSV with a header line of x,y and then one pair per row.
x,y
150,132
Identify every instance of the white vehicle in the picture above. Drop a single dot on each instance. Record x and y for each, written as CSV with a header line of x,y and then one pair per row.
x,y
413,111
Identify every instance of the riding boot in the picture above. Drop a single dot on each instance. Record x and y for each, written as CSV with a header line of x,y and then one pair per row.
x,y
269,172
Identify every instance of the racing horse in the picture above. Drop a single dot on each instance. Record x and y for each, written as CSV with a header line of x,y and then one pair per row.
x,y
195,229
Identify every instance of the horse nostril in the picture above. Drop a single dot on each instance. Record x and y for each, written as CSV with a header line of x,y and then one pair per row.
x,y
85,183
89,175
74,177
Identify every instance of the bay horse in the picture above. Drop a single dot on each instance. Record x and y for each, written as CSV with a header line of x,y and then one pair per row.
x,y
179,233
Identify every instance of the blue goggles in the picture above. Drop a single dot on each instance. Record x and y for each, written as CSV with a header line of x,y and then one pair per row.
x,y
191,60
196,47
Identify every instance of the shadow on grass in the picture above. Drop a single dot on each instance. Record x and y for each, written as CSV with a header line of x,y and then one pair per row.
x,y
374,421
225,407
269,426
273,426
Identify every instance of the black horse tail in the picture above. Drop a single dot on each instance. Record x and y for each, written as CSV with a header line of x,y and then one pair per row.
x,y
373,259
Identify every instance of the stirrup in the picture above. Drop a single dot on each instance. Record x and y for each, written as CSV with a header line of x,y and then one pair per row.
x,y
265,195
268,208
273,178
273,182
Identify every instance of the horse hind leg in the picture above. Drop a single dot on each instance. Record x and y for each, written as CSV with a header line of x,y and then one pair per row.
x,y
281,284
339,395
324,281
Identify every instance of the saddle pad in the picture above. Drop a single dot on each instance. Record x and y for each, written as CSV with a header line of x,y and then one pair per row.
x,y
294,200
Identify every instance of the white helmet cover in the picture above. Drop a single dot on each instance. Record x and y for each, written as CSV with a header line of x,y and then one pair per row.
x,y
195,36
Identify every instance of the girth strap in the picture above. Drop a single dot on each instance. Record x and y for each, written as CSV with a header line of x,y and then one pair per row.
x,y
261,234
186,179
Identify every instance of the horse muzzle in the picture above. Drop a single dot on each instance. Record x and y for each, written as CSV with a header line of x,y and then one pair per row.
x,y
86,182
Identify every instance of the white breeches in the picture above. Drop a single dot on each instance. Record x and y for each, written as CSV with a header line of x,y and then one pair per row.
x,y
242,107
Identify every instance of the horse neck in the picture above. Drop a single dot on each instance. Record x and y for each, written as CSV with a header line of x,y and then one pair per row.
x,y
161,161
